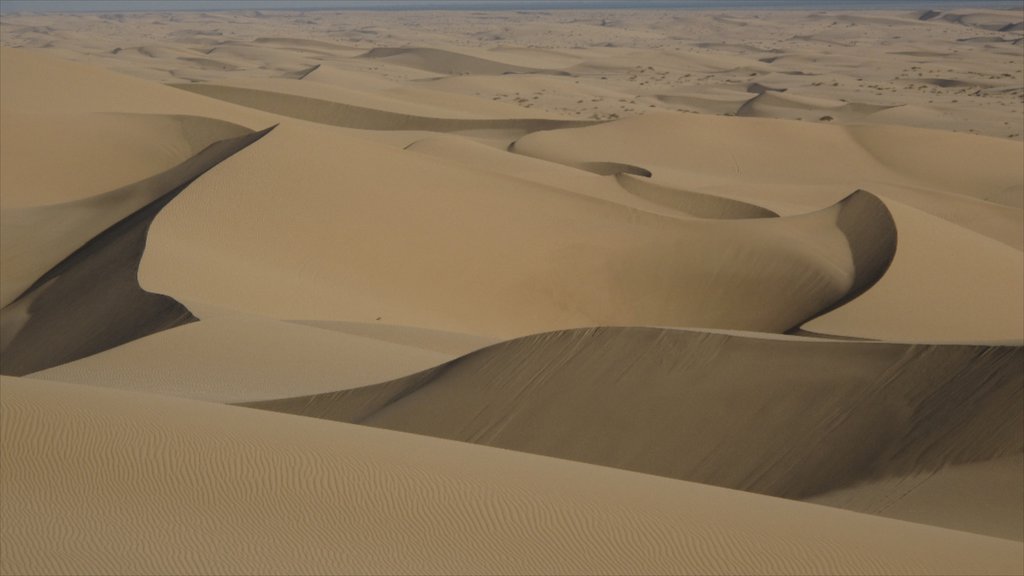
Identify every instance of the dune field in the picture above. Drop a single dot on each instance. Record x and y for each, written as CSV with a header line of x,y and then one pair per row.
x,y
535,292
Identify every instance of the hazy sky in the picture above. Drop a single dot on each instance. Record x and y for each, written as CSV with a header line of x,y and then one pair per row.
x,y
161,5
158,5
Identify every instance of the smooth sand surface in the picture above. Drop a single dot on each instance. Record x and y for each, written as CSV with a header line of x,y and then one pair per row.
x,y
243,359
540,259
621,291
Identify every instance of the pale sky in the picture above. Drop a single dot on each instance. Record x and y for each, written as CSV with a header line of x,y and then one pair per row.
x,y
163,5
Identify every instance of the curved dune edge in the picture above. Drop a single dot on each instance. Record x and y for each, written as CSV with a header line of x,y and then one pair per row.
x,y
772,104
655,400
35,238
245,491
792,167
871,231
236,358
476,156
541,258
931,292
351,116
451,63
980,497
694,203
92,301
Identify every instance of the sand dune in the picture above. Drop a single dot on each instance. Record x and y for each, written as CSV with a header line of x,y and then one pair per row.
x,y
651,269
813,162
626,59
623,189
81,199
92,301
981,497
688,202
892,310
775,105
243,491
956,307
450,63
351,116
865,409
243,359
72,88
565,259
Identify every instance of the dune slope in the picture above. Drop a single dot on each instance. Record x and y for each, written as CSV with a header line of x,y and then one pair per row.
x,y
237,490
781,416
92,301
505,257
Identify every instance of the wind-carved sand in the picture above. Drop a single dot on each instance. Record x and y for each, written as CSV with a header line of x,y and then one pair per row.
x,y
541,292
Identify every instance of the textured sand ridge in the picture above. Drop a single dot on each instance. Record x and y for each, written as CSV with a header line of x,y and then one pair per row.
x,y
786,417
536,292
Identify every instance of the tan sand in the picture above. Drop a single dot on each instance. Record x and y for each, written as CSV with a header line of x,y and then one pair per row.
x,y
237,490
242,359
540,259
980,497
612,253
784,416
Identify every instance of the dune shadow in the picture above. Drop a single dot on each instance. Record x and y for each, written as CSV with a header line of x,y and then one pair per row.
x,y
92,301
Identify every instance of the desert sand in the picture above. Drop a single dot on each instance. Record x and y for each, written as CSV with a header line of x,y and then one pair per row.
x,y
574,292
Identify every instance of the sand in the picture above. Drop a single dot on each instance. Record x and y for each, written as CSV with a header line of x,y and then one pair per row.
x,y
489,292
236,490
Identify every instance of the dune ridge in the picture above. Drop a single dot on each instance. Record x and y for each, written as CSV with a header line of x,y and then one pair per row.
x,y
349,116
91,301
236,358
868,410
567,260
694,203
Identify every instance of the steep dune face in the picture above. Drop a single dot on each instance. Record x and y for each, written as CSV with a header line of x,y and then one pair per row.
x,y
786,417
83,148
46,218
955,307
248,491
91,301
